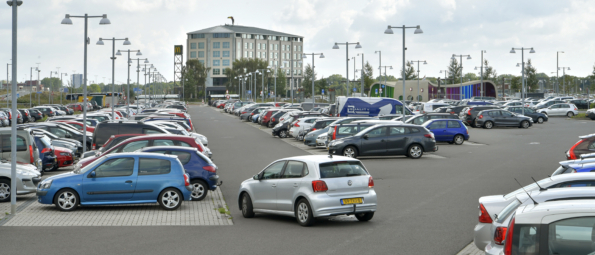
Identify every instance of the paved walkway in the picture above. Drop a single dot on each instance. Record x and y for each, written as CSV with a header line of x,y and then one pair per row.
x,y
470,250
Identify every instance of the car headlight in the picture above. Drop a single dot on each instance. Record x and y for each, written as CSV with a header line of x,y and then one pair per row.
x,y
46,185
64,153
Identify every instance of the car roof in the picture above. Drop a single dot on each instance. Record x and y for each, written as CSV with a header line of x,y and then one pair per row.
x,y
128,154
572,208
176,148
320,158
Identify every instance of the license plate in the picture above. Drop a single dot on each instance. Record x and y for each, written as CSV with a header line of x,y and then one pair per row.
x,y
349,201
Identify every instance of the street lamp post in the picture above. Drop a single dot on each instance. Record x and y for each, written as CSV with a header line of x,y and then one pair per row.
x,y
522,49
564,77
390,31
50,92
382,91
461,63
62,86
481,75
379,63
129,61
336,47
418,61
68,21
13,130
113,58
558,68
362,77
305,55
146,61
275,98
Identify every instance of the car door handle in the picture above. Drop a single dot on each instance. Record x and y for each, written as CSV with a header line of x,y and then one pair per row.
x,y
274,185
295,185
128,181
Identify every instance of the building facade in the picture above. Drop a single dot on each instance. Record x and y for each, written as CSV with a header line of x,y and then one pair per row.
x,y
429,90
217,47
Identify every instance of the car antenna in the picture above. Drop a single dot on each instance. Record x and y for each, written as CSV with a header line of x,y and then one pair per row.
x,y
540,188
534,202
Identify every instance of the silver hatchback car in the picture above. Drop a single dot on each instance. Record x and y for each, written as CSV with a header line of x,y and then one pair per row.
x,y
307,187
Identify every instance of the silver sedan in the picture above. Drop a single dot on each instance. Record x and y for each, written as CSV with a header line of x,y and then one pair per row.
x,y
307,187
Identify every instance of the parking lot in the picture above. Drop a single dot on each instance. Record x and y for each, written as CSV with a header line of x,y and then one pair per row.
x,y
425,206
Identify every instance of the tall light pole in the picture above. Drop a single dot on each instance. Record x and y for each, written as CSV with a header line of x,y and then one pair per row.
x,y
354,70
305,56
461,63
481,73
383,91
564,77
68,21
336,47
30,86
362,77
558,68
262,71
379,63
113,58
39,85
146,61
129,61
522,49
445,72
50,92
418,61
13,137
270,67
390,31
62,86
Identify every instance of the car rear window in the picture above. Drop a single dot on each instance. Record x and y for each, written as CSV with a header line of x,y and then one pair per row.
x,y
341,169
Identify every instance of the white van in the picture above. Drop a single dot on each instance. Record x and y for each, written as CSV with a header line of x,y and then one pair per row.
x,y
430,107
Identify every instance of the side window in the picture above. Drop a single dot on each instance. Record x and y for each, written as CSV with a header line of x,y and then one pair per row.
x,y
273,171
413,130
437,125
163,143
572,236
149,131
506,114
453,124
183,156
419,121
133,146
377,132
586,183
397,131
6,143
184,144
115,167
58,132
494,113
153,166
346,130
293,169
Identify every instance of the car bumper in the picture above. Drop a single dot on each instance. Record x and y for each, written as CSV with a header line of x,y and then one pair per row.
x,y
214,182
591,115
325,205
494,249
310,141
27,185
482,235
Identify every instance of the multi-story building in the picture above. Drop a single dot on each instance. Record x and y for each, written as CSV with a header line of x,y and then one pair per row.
x,y
217,47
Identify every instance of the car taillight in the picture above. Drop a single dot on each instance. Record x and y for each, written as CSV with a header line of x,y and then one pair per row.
x,y
186,180
484,217
500,235
313,129
452,112
31,154
46,150
296,124
319,186
469,112
335,133
209,169
575,109
251,113
370,182
243,112
480,117
508,239
51,112
571,154
273,119
94,146
430,135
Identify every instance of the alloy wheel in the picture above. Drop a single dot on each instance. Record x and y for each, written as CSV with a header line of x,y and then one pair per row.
x,y
170,199
66,200
303,212
540,120
570,114
349,152
4,191
525,124
459,139
489,125
415,151
198,190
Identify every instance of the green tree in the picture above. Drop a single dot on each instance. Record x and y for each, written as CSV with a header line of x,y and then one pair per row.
x,y
195,74
409,72
53,83
530,77
309,75
489,72
515,84
94,88
454,71
322,84
281,83
368,77
470,77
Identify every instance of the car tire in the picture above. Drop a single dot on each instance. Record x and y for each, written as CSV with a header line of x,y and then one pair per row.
x,y
458,139
283,133
488,125
569,114
4,190
540,120
170,199
415,151
199,190
350,152
525,124
66,200
247,209
55,167
364,216
303,213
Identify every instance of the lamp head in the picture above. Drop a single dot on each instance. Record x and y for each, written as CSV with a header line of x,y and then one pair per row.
x,y
100,42
269,67
425,62
469,57
130,61
304,56
336,47
66,20
321,55
391,67
512,51
358,46
126,42
139,54
475,68
118,53
453,57
532,51
418,30
104,20
146,61
568,68
388,31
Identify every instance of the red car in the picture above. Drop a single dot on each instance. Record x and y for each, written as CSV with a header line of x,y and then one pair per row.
x,y
75,107
77,125
585,145
135,143
64,156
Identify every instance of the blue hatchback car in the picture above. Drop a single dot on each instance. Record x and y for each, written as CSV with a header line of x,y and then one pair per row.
x,y
448,130
46,152
202,171
122,178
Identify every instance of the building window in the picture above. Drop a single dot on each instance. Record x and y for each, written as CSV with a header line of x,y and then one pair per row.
x,y
197,36
225,53
276,63
245,46
216,63
239,45
216,71
287,72
276,55
193,45
294,47
193,54
224,71
264,46
251,46
216,45
221,35
264,55
202,61
201,45
283,47
276,46
225,63
226,45
251,54
258,46
271,63
216,54
299,48
201,54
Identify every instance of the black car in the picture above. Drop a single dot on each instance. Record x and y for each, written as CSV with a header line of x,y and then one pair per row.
x,y
35,114
491,118
26,115
62,130
282,130
46,110
421,118
104,130
536,116
386,140
580,103
469,113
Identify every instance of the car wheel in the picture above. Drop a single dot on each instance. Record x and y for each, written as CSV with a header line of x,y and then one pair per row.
x,y
540,120
199,190
303,213
247,209
350,152
4,190
415,151
66,200
488,125
570,114
459,139
54,168
170,199
475,124
364,216
525,124
283,134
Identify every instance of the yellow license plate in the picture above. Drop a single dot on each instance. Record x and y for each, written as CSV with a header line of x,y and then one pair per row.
x,y
349,201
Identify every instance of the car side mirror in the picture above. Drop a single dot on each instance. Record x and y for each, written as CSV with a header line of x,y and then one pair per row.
x,y
256,177
365,136
92,174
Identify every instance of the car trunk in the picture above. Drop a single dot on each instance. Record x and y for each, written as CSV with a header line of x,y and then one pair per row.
x,y
340,186
494,204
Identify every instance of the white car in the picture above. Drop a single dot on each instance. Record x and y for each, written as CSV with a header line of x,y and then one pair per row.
x,y
301,125
321,139
560,110
27,179
591,114
554,227
489,206
307,187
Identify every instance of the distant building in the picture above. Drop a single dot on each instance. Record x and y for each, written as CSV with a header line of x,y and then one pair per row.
x,y
429,90
26,86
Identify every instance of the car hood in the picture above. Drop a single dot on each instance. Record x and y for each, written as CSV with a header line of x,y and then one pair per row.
x,y
60,176
27,168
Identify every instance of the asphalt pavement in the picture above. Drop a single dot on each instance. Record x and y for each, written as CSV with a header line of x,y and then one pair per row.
x,y
425,206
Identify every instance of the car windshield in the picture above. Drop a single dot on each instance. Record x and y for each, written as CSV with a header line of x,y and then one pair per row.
x,y
528,188
78,169
342,169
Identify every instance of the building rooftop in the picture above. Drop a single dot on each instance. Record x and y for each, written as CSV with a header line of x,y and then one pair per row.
x,y
241,29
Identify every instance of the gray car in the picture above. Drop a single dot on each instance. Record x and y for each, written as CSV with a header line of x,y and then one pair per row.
x,y
490,118
307,187
27,179
386,140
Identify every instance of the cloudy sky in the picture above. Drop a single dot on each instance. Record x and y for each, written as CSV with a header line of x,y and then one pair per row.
x,y
450,27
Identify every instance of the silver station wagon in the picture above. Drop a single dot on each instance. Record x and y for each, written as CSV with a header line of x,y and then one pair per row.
x,y
307,187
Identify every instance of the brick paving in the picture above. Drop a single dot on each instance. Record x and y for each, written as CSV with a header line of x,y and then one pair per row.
x,y
190,213
470,250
